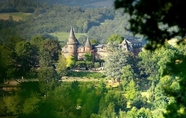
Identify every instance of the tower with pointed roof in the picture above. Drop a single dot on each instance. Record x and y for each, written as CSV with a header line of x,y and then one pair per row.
x,y
77,50
88,46
98,51
72,44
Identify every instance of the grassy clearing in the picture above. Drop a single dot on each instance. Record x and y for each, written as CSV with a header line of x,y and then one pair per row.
x,y
63,36
16,16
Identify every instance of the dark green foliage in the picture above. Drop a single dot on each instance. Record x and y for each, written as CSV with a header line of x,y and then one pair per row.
x,y
18,6
176,108
26,56
128,74
88,57
30,86
140,102
157,22
2,68
115,99
115,38
9,58
80,64
45,59
47,19
50,19
86,65
102,87
149,66
98,23
155,67
109,27
48,79
52,47
21,58
86,74
7,29
64,101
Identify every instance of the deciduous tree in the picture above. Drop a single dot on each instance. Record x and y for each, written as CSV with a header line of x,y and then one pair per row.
x,y
115,61
48,79
61,65
157,22
115,38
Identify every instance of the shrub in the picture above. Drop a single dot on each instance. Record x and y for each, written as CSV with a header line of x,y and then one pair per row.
x,y
86,74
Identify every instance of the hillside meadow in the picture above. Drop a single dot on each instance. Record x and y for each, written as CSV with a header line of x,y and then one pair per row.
x,y
17,16
63,36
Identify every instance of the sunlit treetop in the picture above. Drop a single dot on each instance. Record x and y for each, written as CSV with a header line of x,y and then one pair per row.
x,y
158,20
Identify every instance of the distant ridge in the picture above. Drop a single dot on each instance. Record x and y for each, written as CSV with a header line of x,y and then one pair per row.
x,y
81,3
2,0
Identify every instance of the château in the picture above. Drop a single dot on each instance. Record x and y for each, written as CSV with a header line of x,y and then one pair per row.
x,y
98,51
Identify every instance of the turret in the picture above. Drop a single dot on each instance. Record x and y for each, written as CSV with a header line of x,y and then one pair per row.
x,y
72,39
72,44
88,46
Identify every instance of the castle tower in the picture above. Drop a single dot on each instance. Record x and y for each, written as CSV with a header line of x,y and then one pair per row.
x,y
72,44
88,46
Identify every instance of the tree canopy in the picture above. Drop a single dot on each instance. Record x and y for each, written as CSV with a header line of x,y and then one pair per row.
x,y
115,37
158,20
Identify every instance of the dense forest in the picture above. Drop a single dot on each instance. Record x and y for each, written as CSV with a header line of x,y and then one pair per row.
x,y
19,56
139,92
18,6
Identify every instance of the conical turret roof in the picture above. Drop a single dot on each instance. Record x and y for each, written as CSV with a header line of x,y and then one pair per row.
x,y
87,43
72,38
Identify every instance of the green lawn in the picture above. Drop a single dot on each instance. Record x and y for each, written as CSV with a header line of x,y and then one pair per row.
x,y
16,16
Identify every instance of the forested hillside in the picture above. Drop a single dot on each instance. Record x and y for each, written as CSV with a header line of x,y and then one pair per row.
x,y
117,25
98,23
18,6
82,3
49,19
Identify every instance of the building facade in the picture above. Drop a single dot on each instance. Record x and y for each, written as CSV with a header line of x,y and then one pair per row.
x,y
99,51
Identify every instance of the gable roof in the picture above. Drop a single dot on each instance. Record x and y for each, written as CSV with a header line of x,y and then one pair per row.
x,y
126,44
